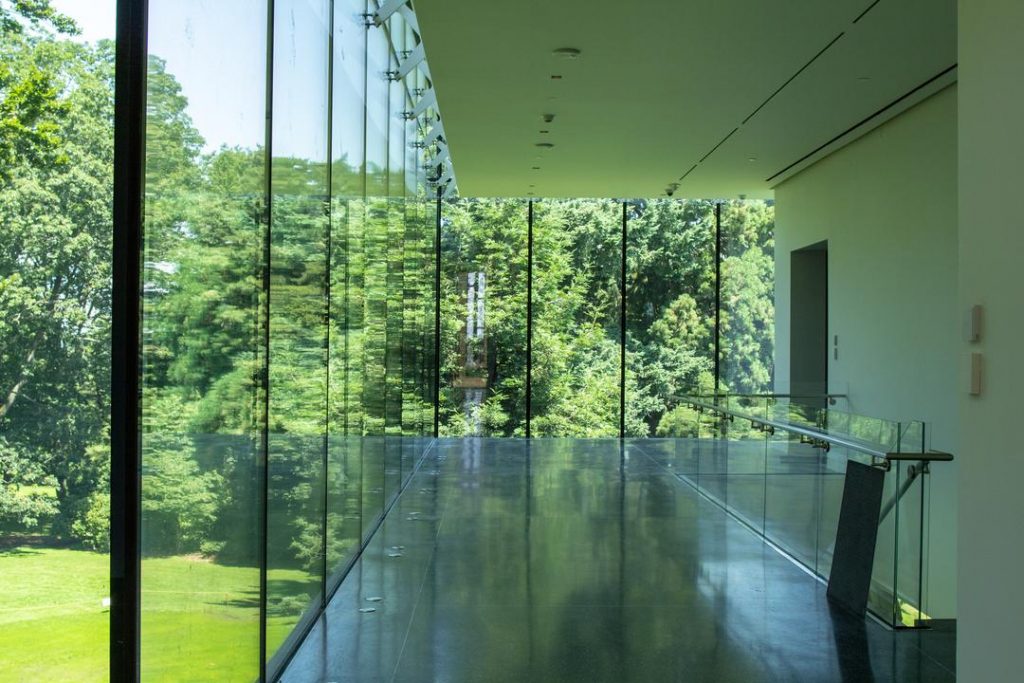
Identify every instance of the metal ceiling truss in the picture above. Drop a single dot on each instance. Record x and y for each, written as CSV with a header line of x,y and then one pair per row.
x,y
424,99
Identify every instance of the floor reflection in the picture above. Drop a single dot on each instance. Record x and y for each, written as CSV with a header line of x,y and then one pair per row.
x,y
583,560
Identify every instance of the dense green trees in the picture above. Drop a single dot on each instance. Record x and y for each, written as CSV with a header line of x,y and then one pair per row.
x,y
56,143
577,298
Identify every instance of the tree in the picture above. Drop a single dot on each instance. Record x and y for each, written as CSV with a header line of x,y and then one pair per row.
x,y
55,266
31,103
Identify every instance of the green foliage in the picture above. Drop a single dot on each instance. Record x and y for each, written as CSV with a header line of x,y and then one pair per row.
x,y
181,502
55,271
92,526
32,100
25,497
670,324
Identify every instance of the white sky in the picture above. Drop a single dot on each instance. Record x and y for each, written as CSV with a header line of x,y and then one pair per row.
x,y
217,51
96,18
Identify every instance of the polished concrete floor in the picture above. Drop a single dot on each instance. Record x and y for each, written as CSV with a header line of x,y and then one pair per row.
x,y
577,560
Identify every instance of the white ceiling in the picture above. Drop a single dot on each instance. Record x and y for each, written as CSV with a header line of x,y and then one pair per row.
x,y
661,83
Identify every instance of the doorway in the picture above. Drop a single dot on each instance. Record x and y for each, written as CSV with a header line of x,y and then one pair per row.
x,y
808,339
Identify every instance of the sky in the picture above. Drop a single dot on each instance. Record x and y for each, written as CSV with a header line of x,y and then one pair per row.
x,y
197,38
96,18
216,49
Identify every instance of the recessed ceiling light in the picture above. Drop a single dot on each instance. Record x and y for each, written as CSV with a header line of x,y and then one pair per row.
x,y
544,145
545,132
556,77
567,53
535,168
751,158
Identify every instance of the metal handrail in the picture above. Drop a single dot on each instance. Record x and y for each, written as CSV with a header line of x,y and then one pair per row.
x,y
726,395
831,398
817,435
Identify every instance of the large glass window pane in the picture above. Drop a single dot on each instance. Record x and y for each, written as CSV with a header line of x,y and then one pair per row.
x,y
56,162
417,289
203,253
670,312
748,296
346,315
395,302
483,294
576,317
427,203
375,272
298,368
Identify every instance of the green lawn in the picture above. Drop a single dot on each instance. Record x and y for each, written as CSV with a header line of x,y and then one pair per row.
x,y
200,620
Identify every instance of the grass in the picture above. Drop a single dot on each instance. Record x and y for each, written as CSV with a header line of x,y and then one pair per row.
x,y
200,620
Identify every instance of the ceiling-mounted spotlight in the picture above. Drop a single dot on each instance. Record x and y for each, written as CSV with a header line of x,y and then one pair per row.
x,y
567,53
548,118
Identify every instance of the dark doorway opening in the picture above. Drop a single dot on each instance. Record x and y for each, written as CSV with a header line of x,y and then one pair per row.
x,y
808,340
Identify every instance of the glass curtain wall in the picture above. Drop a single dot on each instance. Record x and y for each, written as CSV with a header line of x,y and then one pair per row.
x,y
670,311
345,333
576,327
297,399
286,288
206,181
747,327
374,275
577,303
483,305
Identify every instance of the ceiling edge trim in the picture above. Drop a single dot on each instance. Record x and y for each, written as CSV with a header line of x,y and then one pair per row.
x,y
911,98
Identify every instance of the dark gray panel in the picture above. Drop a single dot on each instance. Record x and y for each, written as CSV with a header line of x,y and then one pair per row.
x,y
850,580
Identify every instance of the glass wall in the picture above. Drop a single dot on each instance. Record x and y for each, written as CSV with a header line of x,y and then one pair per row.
x,y
483,304
345,292
284,317
289,353
577,311
374,276
747,328
56,172
205,189
297,400
670,312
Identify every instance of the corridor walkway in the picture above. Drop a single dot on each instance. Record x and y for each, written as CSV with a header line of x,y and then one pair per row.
x,y
584,560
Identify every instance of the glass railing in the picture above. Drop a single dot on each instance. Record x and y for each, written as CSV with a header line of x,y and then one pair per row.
x,y
779,465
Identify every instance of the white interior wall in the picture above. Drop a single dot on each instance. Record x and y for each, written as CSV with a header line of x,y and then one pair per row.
x,y
887,205
991,113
